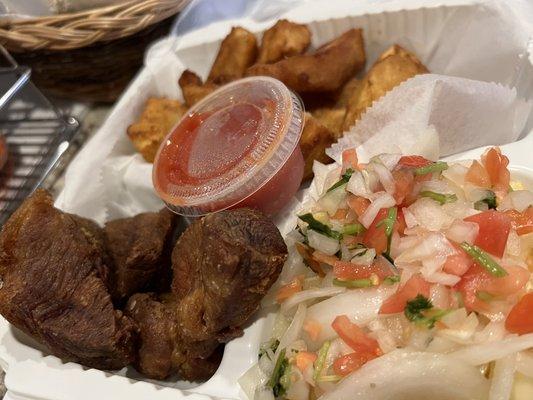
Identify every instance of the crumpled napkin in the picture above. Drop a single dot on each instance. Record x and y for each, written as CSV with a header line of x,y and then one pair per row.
x,y
436,116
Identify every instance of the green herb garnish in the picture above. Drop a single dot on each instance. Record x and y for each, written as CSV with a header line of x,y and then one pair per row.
x,y
441,198
391,280
438,166
490,201
483,259
353,229
388,223
319,227
321,359
343,181
420,311
354,283
272,344
279,370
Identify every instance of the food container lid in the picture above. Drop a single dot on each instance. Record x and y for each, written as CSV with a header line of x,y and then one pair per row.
x,y
228,146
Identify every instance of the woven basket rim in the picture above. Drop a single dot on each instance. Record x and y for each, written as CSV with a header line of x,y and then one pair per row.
x,y
84,28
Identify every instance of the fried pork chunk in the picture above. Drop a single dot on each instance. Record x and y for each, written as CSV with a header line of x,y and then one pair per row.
x,y
237,52
393,67
139,248
53,270
315,139
223,265
284,39
157,118
324,70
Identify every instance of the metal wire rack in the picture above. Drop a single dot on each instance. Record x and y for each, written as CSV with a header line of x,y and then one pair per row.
x,y
36,133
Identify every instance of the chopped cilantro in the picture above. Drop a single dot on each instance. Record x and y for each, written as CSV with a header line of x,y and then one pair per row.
x,y
483,259
272,344
439,197
388,223
343,181
354,283
321,359
319,227
282,363
490,201
391,280
420,311
433,167
353,229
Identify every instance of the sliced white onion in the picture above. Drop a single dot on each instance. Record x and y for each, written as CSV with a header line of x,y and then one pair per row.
x,y
385,177
430,214
437,186
389,160
359,186
483,353
518,199
332,201
324,177
252,380
463,332
366,258
433,245
384,200
512,247
360,305
293,331
524,363
298,389
412,375
264,393
439,296
501,383
410,220
462,231
442,278
455,173
310,294
322,243
492,332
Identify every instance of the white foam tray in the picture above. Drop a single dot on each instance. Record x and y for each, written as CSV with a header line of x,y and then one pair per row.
x,y
33,374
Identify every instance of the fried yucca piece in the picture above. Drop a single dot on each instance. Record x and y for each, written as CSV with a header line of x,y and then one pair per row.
x,y
315,139
237,52
193,89
324,70
158,117
393,67
285,39
331,112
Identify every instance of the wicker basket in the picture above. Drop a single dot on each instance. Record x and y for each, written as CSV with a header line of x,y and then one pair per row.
x,y
90,55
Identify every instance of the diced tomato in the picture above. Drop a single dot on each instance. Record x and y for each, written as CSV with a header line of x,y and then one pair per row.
x,y
522,222
354,336
358,204
478,279
404,182
458,263
520,319
312,328
478,175
375,236
494,228
340,214
496,165
347,270
305,359
290,289
348,363
413,161
349,159
396,303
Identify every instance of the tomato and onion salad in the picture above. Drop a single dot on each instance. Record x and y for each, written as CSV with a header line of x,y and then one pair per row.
x,y
401,253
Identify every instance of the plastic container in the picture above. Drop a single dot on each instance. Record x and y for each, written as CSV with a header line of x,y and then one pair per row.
x,y
238,147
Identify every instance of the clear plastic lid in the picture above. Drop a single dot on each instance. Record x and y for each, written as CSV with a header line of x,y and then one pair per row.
x,y
228,146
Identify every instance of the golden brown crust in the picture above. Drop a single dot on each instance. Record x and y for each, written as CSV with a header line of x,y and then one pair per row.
x,y
315,139
157,119
193,89
284,39
393,67
237,52
326,69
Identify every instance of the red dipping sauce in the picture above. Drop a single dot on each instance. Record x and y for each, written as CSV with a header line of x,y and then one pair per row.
x,y
238,147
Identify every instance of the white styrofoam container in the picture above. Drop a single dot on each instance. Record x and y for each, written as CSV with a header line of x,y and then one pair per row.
x,y
32,373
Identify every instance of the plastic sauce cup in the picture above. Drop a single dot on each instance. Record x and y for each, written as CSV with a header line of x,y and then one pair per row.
x,y
238,147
